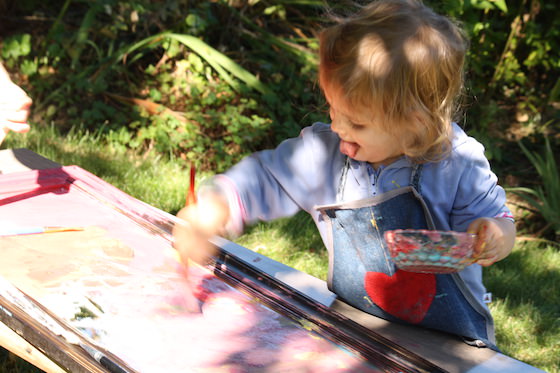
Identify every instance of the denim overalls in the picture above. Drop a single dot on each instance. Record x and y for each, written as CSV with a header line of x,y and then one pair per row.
x,y
362,273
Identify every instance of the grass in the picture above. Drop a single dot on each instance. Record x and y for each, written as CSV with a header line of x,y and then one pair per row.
x,y
294,241
160,183
526,308
525,285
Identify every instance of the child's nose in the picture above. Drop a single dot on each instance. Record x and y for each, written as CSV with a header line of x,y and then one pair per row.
x,y
337,127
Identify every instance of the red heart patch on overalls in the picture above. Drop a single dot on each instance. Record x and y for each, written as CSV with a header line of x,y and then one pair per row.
x,y
406,295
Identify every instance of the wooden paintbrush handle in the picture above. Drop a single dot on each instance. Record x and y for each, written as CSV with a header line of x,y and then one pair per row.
x,y
191,193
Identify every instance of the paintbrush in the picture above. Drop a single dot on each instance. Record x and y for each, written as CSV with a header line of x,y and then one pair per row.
x,y
17,231
190,198
191,194
102,359
191,301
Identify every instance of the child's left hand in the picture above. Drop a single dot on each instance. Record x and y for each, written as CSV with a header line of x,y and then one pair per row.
x,y
496,237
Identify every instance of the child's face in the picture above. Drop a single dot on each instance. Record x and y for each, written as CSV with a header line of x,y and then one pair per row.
x,y
361,139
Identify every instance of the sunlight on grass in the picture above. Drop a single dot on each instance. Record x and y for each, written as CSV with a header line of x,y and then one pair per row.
x,y
526,334
292,241
526,307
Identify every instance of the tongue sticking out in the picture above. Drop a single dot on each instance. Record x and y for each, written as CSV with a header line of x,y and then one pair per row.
x,y
348,148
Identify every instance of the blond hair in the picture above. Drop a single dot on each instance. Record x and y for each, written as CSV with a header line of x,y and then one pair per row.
x,y
400,59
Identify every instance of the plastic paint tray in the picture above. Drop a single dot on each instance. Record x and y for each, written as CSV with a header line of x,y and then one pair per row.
x,y
430,251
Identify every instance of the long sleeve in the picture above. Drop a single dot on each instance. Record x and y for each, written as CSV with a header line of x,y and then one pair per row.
x,y
299,174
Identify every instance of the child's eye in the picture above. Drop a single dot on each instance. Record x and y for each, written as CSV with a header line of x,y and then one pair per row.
x,y
356,126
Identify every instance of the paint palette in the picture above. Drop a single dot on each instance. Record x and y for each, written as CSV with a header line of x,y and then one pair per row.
x,y
430,251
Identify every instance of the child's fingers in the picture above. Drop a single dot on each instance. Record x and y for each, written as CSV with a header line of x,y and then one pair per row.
x,y
5,128
13,99
488,256
16,126
13,121
14,106
192,241
480,229
14,118
485,252
487,262
187,242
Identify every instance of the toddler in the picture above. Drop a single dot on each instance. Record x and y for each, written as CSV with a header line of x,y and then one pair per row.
x,y
390,158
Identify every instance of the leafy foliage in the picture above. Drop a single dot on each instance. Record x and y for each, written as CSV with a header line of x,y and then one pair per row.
x,y
211,81
513,65
544,198
193,79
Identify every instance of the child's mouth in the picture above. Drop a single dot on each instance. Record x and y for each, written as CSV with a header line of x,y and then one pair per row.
x,y
349,148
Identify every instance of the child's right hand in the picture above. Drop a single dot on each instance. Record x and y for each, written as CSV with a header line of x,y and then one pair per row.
x,y
202,220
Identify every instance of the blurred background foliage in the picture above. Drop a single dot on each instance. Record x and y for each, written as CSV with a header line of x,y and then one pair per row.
x,y
210,81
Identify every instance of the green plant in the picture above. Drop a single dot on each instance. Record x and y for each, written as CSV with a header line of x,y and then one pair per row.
x,y
544,198
513,59
16,46
206,81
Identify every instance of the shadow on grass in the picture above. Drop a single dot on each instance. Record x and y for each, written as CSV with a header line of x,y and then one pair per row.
x,y
84,154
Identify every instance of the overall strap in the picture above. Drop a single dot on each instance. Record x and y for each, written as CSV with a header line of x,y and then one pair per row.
x,y
342,181
415,177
